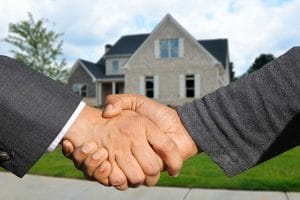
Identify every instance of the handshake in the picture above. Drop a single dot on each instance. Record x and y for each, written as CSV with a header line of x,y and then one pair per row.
x,y
129,143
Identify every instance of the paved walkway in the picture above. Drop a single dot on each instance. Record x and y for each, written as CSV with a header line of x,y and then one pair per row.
x,y
44,188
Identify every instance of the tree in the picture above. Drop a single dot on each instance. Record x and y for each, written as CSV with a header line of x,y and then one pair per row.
x,y
260,61
231,72
38,47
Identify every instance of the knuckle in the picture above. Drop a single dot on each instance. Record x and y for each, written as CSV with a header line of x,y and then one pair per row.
x,y
177,165
168,146
117,181
152,170
137,180
151,180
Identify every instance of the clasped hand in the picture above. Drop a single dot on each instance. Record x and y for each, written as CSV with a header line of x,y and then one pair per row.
x,y
128,144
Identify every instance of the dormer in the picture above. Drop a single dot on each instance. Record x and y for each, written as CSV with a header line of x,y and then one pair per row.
x,y
114,65
118,54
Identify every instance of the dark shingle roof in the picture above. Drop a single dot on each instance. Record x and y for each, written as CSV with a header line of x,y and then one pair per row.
x,y
127,44
217,48
98,69
93,68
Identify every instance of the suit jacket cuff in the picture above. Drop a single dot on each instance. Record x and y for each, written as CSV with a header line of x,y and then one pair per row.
x,y
65,129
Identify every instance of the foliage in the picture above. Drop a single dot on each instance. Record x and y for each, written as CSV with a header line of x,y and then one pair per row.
x,y
281,173
232,76
260,61
38,47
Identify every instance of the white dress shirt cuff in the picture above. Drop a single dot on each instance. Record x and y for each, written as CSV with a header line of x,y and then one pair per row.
x,y
64,130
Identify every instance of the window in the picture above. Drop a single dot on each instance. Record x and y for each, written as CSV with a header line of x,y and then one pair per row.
x,y
115,67
149,86
169,48
80,88
190,85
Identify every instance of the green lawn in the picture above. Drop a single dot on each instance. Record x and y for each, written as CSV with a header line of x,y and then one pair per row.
x,y
281,173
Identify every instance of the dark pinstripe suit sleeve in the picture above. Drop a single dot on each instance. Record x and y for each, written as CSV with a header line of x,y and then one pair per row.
x,y
33,109
250,120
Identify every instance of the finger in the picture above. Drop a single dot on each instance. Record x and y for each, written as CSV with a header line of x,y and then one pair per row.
x,y
116,103
67,148
117,178
131,168
166,149
83,152
102,173
151,180
146,157
93,161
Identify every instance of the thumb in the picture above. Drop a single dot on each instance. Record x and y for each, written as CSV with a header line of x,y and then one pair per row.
x,y
67,148
114,104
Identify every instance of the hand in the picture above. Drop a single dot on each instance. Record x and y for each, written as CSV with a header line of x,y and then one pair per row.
x,y
88,158
165,118
121,136
95,166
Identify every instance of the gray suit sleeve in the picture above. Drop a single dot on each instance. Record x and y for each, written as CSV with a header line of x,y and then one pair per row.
x,y
33,109
251,120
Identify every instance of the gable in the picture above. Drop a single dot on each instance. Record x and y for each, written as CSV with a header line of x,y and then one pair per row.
x,y
79,66
170,28
215,51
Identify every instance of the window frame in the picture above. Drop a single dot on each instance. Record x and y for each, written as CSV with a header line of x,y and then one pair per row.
x,y
190,90
115,63
80,86
149,79
169,48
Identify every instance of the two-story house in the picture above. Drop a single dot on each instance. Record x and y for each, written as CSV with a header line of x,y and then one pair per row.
x,y
168,64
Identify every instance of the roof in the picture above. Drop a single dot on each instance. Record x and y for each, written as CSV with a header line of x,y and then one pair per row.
x,y
216,47
128,44
98,69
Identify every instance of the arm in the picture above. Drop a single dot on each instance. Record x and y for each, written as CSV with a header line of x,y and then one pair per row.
x,y
33,109
127,139
240,125
250,120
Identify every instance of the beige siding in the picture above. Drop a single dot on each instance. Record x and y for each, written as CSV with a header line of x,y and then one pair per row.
x,y
108,64
81,76
195,60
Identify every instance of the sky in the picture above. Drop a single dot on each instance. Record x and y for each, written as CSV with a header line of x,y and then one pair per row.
x,y
252,27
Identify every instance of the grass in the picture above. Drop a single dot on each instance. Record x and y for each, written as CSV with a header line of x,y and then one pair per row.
x,y
281,173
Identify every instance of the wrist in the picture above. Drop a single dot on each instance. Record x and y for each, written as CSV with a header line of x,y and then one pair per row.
x,y
188,147
83,127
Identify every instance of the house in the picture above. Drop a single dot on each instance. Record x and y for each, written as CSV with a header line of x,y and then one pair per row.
x,y
168,64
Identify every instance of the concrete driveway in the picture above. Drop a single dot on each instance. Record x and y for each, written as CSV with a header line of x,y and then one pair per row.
x,y
44,188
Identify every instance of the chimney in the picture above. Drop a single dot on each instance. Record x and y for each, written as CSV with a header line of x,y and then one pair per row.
x,y
107,47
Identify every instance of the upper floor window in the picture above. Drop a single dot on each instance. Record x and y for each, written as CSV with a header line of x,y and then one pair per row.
x,y
169,48
115,67
190,85
149,86
80,88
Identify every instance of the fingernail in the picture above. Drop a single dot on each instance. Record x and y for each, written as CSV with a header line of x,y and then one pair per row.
x,y
87,148
97,155
109,108
175,175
